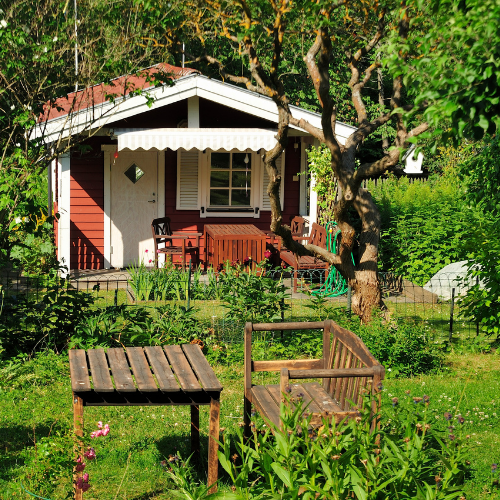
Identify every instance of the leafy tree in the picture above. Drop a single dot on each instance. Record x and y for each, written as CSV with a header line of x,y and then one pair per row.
x,y
346,37
38,42
405,41
455,71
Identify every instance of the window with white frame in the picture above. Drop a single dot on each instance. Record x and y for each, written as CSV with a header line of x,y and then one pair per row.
x,y
230,180
223,183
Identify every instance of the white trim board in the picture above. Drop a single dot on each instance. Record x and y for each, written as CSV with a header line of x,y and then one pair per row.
x,y
105,114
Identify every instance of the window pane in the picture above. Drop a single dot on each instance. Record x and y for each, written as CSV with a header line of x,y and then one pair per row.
x,y
240,197
134,173
219,197
239,160
220,160
241,179
219,179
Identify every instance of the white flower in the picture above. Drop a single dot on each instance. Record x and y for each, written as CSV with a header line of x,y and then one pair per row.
x,y
45,49
13,107
18,145
3,23
54,39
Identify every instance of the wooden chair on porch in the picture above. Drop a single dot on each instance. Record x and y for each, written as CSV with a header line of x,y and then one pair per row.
x,y
347,369
162,233
297,224
317,237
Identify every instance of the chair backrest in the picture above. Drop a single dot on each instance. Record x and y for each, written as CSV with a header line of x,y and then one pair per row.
x,y
317,236
276,365
297,224
161,227
349,351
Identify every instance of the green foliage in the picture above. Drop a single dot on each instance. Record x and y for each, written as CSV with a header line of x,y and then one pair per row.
x,y
423,227
406,458
29,322
482,179
403,347
132,326
455,51
168,282
251,295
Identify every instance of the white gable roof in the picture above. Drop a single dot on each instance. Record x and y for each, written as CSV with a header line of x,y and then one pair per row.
x,y
107,113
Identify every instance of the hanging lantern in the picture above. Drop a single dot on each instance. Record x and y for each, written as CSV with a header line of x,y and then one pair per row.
x,y
246,160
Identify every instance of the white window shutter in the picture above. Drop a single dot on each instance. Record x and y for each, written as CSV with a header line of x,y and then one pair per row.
x,y
187,180
266,204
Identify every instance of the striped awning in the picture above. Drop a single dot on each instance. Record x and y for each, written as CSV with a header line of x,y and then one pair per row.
x,y
228,139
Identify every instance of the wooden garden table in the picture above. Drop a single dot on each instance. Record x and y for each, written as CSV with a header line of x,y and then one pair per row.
x,y
183,377
233,242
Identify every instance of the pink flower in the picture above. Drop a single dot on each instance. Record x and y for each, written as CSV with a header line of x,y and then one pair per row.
x,y
79,483
95,434
158,251
146,251
267,254
150,260
99,424
105,431
90,454
85,486
80,467
86,478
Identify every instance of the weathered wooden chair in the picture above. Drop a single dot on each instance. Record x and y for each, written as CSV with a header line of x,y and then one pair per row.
x,y
305,262
297,224
163,234
346,368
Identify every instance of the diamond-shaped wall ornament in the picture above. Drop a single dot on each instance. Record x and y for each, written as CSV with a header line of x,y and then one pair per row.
x,y
134,173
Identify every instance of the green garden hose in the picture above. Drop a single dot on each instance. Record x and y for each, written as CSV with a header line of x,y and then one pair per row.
x,y
335,284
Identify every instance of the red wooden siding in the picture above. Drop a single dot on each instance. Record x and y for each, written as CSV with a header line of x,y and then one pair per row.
x,y
87,211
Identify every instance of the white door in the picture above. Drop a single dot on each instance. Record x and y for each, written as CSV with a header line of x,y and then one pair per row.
x,y
134,183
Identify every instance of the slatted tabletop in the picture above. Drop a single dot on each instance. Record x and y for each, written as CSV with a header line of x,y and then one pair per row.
x,y
173,374
233,242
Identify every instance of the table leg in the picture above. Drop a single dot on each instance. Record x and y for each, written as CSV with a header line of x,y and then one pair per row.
x,y
78,447
195,431
213,444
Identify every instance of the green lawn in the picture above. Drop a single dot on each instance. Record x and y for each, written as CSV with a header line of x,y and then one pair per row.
x,y
36,423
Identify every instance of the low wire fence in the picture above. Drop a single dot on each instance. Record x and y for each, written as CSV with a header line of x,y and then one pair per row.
x,y
436,306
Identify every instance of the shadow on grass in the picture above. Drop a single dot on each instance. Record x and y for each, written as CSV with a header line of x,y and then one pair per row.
x,y
14,439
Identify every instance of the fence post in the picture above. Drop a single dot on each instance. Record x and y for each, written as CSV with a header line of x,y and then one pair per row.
x,y
451,313
116,295
349,291
477,322
189,284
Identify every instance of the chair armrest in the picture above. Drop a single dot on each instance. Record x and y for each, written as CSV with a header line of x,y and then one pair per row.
x,y
330,373
297,238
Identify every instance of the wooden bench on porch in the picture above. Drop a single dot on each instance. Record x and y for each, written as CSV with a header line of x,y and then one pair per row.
x,y
346,368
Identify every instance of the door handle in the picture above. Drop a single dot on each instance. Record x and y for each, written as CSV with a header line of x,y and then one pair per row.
x,y
151,201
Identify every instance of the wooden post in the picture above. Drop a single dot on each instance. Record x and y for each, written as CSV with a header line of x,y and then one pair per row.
x,y
78,446
451,314
213,444
195,431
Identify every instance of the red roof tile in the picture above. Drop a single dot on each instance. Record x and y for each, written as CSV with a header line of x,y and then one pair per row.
x,y
119,87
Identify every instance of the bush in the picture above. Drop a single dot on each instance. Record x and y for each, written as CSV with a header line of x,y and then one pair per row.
x,y
407,457
424,225
131,326
43,320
